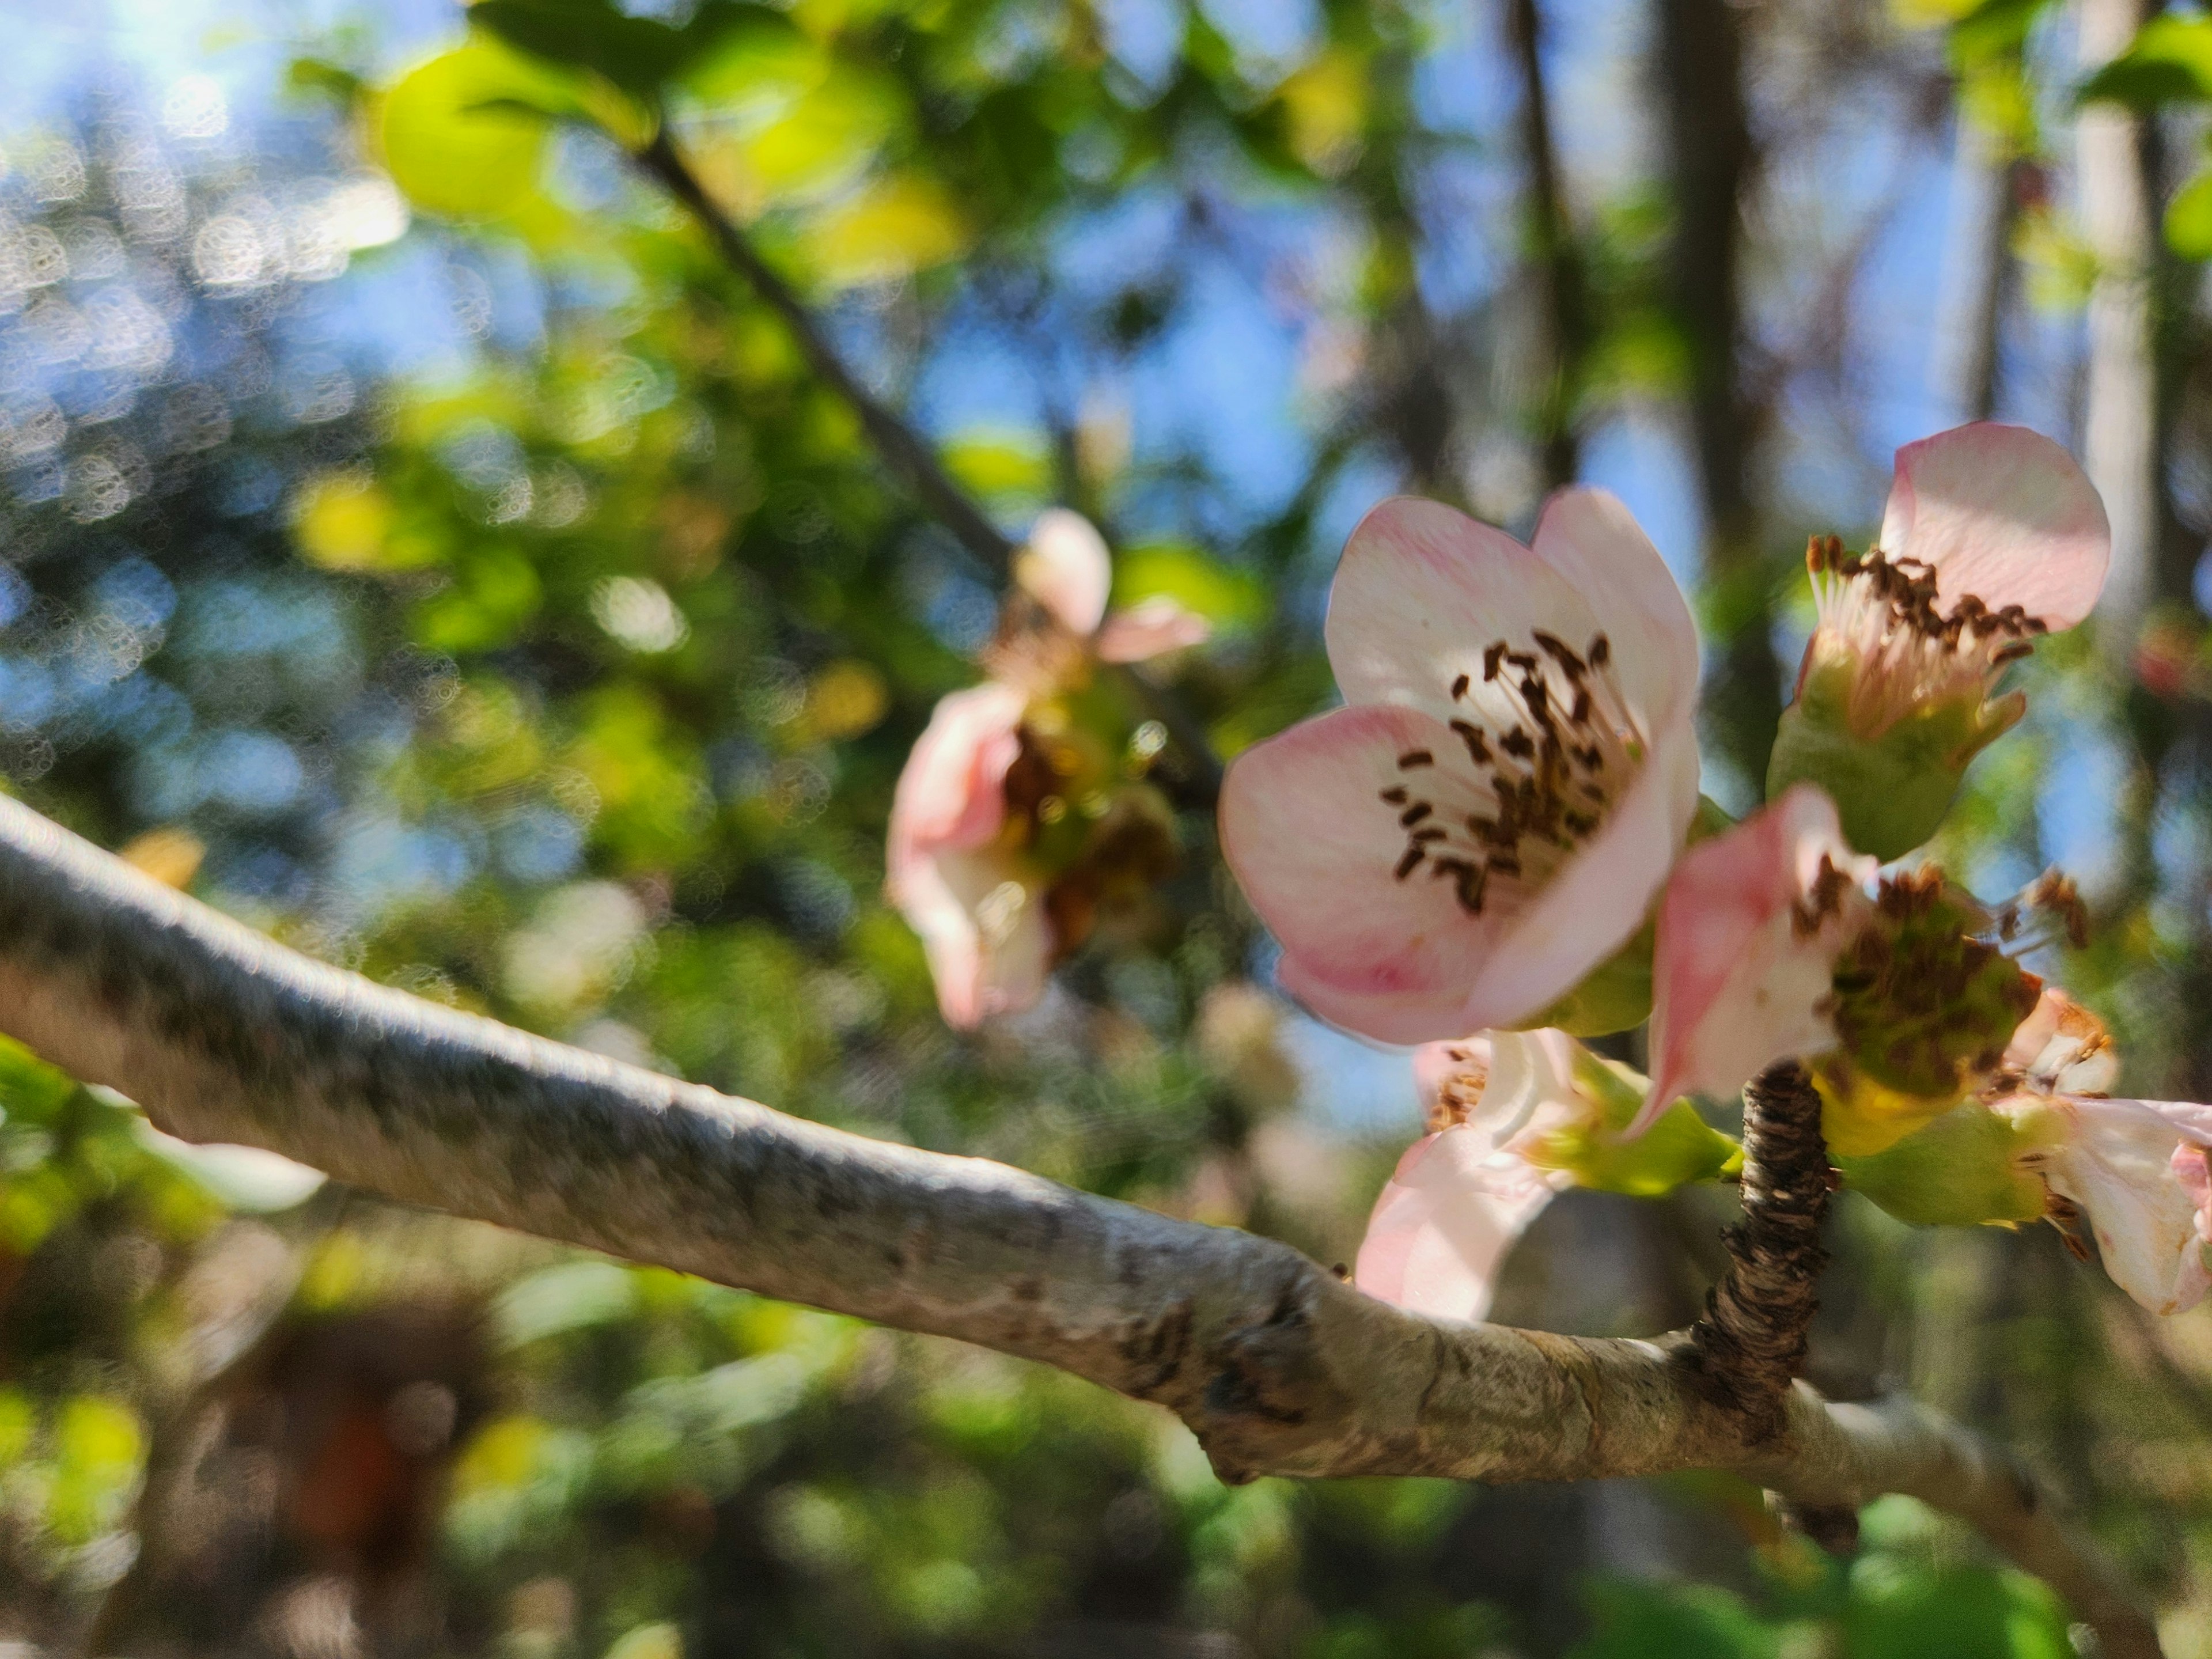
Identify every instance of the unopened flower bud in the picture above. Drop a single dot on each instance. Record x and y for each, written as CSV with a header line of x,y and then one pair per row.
x,y
1992,538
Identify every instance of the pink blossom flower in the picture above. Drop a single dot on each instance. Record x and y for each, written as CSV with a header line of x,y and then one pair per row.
x,y
1463,1193
1490,818
1749,931
1992,538
2136,1168
994,907
950,870
1066,569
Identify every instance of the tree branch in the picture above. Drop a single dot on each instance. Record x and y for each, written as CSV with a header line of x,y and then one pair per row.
x,y
1279,1367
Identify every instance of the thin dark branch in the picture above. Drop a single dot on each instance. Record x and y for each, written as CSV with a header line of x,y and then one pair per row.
x,y
1561,286
906,452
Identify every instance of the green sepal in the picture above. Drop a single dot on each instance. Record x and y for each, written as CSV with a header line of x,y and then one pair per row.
x,y
1891,790
1681,1147
1963,1169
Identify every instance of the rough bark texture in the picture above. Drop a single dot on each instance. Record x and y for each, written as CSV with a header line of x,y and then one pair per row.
x,y
1279,1367
1752,1340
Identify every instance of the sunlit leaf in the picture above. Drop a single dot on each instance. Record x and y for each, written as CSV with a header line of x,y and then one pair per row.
x,y
2169,63
464,134
2189,218
893,227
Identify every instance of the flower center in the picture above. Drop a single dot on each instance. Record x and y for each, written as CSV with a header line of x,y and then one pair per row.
x,y
1460,1096
1885,615
1550,744
1925,999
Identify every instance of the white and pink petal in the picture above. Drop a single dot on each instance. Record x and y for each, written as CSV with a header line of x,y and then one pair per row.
x,y
952,791
1150,628
1066,569
2002,513
1445,1222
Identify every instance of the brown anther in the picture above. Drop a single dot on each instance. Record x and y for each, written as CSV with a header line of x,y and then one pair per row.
x,y
1413,758
1493,655
1459,687
1599,652
1396,794
2013,653
1561,653
1409,861
1429,832
1413,814
1466,881
1478,746
1518,744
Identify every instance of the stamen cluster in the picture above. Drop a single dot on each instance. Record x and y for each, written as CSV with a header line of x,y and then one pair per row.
x,y
1885,618
1922,998
1546,767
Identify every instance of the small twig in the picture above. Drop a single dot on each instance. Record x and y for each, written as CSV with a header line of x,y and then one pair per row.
x,y
907,450
1751,1343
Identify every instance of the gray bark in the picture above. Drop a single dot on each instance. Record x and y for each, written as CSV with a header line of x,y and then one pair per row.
x,y
1279,1367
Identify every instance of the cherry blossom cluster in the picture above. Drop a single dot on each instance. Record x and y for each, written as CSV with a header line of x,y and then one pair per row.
x,y
1497,848
1525,711
1023,808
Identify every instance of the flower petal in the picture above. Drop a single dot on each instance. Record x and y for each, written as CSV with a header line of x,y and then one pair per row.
x,y
2002,513
1149,629
2119,1165
1066,569
1593,541
1395,1015
1443,1224
1422,590
1305,829
953,791
1739,980
985,932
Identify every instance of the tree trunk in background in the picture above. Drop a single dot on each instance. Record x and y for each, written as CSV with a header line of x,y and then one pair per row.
x,y
1701,75
1563,300
2119,422
1985,209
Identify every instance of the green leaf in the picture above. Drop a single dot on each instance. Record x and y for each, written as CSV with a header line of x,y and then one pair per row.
x,y
313,76
2169,63
636,53
2189,218
1225,597
1962,1171
463,135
